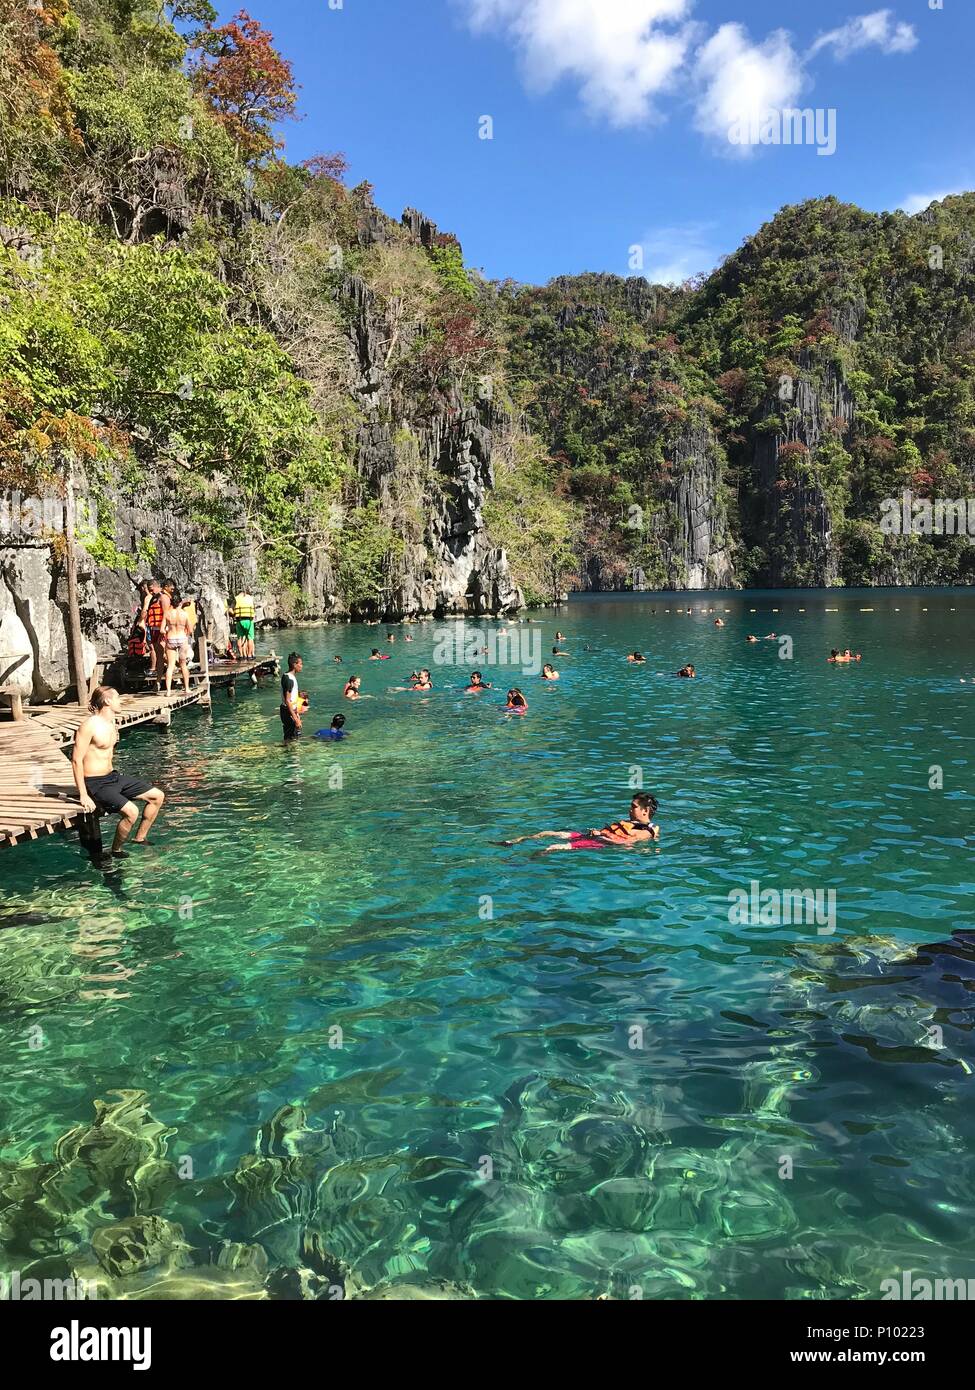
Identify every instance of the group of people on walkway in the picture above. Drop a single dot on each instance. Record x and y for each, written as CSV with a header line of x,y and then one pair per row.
x,y
164,630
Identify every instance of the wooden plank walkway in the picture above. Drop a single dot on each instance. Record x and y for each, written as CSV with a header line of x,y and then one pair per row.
x,y
37,791
62,722
225,672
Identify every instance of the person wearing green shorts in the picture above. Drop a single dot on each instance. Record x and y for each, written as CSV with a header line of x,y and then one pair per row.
x,y
244,624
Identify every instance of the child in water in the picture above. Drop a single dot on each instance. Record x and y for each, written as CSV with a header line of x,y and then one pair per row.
x,y
336,730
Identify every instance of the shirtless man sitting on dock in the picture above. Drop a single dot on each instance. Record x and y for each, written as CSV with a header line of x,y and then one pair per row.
x,y
100,787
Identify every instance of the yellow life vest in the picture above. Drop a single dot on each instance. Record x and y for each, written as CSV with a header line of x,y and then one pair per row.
x,y
243,606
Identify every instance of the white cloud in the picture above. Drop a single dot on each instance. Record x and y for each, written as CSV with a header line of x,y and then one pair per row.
x,y
672,255
625,55
917,202
877,30
616,49
741,81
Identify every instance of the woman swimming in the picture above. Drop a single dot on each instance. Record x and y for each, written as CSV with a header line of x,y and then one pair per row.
x,y
352,685
628,834
517,701
549,673
687,672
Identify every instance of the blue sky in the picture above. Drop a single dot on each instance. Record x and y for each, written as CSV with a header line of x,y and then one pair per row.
x,y
611,118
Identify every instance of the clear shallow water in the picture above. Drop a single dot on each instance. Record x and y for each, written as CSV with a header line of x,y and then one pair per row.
x,y
638,1071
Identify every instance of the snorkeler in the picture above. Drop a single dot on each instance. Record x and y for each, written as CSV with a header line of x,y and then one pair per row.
x,y
517,701
477,683
336,729
687,671
549,673
637,659
638,830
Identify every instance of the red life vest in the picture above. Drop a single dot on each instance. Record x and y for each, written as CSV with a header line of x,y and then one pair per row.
x,y
138,643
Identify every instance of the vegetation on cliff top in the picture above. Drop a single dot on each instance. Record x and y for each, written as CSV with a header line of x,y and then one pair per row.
x,y
177,311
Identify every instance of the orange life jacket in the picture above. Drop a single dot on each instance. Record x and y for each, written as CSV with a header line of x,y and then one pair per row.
x,y
154,613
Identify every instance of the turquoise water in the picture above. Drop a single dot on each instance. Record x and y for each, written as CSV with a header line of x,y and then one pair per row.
x,y
556,1076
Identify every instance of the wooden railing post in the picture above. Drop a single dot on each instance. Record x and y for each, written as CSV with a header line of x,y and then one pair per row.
x,y
203,651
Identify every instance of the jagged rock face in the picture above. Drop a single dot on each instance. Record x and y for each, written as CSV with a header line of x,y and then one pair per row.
x,y
794,521
698,551
454,568
33,599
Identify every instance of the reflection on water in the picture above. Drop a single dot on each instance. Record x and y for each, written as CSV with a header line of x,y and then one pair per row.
x,y
329,1038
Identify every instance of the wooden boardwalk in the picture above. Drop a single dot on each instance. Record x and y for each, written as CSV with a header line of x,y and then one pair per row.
x,y
61,722
37,791
225,672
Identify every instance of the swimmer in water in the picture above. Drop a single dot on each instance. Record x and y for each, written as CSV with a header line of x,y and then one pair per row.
x,y
549,673
637,659
477,683
377,655
752,638
390,636
337,658
423,681
560,637
718,622
352,685
335,731
517,701
688,672
628,834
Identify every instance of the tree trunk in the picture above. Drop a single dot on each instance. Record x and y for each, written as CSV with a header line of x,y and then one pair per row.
x,y
76,651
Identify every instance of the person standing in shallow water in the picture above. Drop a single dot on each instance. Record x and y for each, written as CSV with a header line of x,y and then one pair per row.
x,y
100,787
290,696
